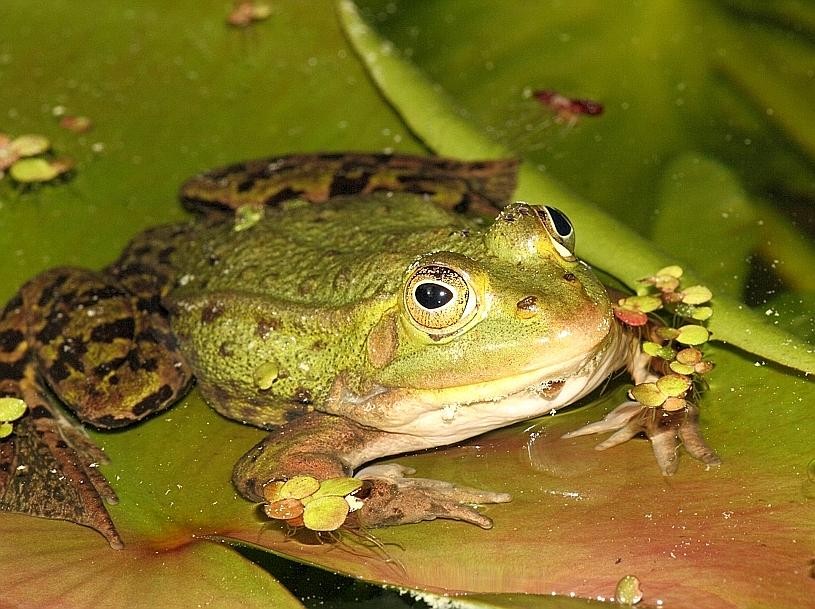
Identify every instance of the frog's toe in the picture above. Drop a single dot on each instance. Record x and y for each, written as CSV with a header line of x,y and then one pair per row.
x,y
396,499
667,431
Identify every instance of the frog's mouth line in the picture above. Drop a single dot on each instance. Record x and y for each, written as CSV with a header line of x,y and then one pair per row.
x,y
442,416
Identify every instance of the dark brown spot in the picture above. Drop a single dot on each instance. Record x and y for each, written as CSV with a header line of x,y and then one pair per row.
x,y
265,327
10,340
58,371
153,401
463,205
41,412
48,292
52,328
164,255
211,312
225,350
569,277
286,194
12,371
108,421
120,328
301,396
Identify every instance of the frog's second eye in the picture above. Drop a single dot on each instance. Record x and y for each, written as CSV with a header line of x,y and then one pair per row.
x,y
560,230
438,298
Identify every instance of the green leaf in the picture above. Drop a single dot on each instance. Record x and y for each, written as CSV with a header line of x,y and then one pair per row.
x,y
203,99
11,409
33,170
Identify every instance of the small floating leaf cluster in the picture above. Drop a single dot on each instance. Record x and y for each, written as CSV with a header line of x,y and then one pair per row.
x,y
23,157
11,409
678,347
318,506
246,12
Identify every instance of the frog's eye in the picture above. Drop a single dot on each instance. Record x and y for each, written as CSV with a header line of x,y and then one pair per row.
x,y
438,298
560,230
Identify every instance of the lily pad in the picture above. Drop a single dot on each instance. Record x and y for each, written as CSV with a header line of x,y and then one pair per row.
x,y
739,535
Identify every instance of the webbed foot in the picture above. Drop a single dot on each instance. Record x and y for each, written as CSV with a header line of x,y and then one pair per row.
x,y
397,499
667,431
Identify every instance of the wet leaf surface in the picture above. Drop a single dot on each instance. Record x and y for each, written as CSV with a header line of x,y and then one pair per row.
x,y
173,90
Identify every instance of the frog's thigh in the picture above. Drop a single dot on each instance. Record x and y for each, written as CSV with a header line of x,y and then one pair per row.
x,y
111,362
477,186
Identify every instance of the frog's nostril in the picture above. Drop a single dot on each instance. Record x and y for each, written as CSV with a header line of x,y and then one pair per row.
x,y
527,307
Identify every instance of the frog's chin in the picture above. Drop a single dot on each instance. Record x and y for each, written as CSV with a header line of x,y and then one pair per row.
x,y
443,416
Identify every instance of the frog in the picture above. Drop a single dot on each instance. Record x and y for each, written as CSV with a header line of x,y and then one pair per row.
x,y
356,306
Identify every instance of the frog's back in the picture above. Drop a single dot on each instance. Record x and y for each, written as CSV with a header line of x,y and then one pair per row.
x,y
330,255
269,315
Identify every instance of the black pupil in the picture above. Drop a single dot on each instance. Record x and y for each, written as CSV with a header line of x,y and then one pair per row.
x,y
432,295
561,222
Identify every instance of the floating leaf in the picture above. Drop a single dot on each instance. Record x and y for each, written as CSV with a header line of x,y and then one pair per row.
x,y
30,144
673,385
645,303
667,333
689,355
696,294
7,157
11,409
702,313
628,591
6,429
299,487
672,404
339,487
27,171
284,509
629,317
648,394
692,335
77,124
655,350
680,368
672,271
325,513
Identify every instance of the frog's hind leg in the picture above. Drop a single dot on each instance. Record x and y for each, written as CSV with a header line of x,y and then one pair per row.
x,y
480,187
106,352
47,466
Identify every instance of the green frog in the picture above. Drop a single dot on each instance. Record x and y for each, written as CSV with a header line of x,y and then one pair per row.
x,y
355,305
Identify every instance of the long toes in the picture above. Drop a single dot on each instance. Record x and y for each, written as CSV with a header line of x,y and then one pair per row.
x,y
465,513
666,446
449,492
391,471
616,419
631,429
695,444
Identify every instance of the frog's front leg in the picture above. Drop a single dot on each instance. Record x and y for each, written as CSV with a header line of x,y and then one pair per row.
x,y
327,446
667,431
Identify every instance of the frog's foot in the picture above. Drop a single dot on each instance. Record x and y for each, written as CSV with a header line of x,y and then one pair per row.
x,y
396,499
666,431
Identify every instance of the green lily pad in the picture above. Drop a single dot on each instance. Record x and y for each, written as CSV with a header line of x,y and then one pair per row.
x,y
595,516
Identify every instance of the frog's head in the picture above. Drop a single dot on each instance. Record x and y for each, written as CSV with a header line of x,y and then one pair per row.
x,y
520,316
